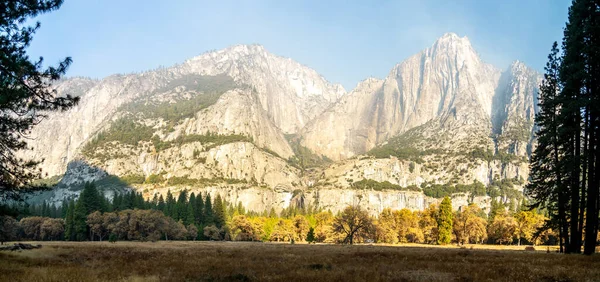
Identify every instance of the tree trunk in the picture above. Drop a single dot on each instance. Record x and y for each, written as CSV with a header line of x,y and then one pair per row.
x,y
585,172
575,245
591,227
562,218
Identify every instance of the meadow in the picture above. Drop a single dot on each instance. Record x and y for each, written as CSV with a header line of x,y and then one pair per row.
x,y
247,261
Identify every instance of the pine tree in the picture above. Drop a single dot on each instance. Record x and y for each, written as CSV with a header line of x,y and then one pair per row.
x,y
272,213
220,216
154,202
546,187
79,221
189,215
240,208
444,221
569,132
70,222
64,208
170,208
91,199
591,10
27,95
310,237
182,206
199,211
161,204
139,202
44,211
208,217
117,202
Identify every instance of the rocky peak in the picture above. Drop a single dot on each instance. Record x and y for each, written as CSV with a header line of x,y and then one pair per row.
x,y
291,93
367,83
446,86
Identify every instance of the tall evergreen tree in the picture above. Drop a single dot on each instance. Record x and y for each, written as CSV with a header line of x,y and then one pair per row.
x,y
64,208
546,185
80,228
199,211
170,203
569,132
591,10
70,222
90,198
444,221
27,95
208,211
189,215
154,202
161,204
117,202
220,216
182,206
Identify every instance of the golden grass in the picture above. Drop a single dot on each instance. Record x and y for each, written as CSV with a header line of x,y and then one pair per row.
x,y
237,261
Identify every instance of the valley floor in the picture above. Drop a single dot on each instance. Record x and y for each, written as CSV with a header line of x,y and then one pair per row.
x,y
237,261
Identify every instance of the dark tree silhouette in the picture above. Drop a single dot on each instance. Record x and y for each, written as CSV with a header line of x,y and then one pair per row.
x,y
565,176
26,95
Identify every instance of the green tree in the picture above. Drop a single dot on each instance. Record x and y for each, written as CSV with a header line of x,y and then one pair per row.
x,y
181,206
444,221
220,216
27,95
70,222
189,215
170,205
160,205
495,208
79,221
564,165
91,200
310,236
208,212
198,211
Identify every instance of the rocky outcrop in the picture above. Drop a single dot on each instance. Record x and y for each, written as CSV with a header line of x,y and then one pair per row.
x,y
515,110
343,130
237,112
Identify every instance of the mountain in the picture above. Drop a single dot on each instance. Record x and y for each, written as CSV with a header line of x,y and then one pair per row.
x,y
286,93
270,132
447,86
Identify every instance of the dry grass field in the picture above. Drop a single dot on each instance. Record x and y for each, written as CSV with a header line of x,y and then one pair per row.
x,y
236,261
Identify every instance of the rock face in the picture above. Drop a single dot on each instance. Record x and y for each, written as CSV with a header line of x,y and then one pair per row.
x,y
247,124
516,105
290,93
447,87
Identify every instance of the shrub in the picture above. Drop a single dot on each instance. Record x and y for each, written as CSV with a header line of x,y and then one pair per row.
x,y
133,179
379,186
154,179
112,238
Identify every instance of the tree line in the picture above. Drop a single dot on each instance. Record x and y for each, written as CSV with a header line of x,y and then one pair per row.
x,y
189,217
565,166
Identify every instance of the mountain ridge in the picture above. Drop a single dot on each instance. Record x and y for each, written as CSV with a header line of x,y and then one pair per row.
x,y
440,117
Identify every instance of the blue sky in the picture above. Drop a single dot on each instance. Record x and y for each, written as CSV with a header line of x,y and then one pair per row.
x,y
345,41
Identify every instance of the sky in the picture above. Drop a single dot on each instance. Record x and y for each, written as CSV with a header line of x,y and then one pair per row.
x,y
345,41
